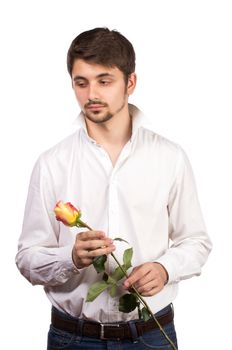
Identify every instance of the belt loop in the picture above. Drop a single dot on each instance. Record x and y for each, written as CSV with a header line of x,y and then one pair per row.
x,y
79,328
133,331
172,308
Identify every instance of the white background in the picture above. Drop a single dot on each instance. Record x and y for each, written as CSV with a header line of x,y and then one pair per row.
x,y
184,67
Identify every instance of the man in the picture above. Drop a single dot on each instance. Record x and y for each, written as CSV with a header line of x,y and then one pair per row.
x,y
129,182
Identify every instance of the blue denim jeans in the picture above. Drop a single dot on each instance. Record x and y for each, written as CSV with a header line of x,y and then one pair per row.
x,y
154,339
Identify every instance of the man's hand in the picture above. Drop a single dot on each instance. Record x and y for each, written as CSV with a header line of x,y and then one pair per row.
x,y
148,278
88,245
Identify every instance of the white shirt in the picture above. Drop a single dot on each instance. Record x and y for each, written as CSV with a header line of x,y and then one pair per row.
x,y
148,198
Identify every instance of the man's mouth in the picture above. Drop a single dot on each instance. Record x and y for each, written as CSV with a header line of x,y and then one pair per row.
x,y
95,106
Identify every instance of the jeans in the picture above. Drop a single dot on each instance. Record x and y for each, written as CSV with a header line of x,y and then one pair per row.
x,y
154,339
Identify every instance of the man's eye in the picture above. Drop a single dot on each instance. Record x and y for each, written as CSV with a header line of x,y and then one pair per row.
x,y
104,82
80,84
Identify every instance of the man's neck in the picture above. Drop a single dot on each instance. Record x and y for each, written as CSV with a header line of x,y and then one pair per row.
x,y
116,131
113,134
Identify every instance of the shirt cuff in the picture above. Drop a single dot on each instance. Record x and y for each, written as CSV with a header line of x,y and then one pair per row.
x,y
169,267
68,267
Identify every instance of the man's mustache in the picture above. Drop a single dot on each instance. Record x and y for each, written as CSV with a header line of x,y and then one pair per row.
x,y
95,102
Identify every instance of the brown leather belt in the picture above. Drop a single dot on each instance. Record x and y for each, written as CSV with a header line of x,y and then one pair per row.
x,y
121,330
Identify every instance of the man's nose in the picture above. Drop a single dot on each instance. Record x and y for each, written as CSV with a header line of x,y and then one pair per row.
x,y
93,92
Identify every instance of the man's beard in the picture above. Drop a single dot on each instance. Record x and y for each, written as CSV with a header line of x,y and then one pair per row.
x,y
94,116
105,116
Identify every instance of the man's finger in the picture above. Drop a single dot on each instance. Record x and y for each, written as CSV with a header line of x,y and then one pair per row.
x,y
135,276
95,244
88,235
101,251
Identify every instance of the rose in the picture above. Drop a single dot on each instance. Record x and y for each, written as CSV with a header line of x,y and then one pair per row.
x,y
70,216
67,213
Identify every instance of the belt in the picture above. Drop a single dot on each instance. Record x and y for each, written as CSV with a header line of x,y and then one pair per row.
x,y
104,331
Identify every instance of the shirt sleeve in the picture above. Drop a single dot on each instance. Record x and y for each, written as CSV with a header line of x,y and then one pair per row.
x,y
190,243
41,258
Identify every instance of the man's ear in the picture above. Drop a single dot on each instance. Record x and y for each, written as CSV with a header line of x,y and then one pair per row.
x,y
131,84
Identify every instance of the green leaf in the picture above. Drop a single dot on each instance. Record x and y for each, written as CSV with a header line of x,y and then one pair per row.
x,y
113,291
108,279
96,289
145,314
111,280
120,239
99,263
118,274
127,256
127,303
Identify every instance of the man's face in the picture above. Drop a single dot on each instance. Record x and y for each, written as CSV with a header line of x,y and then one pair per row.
x,y
100,91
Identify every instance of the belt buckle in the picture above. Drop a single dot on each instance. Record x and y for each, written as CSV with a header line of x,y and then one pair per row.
x,y
102,329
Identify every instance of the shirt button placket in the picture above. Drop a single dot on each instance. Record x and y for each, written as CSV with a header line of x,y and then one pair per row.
x,y
113,206
113,229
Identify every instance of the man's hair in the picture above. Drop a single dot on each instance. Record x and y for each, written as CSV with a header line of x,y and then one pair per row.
x,y
105,47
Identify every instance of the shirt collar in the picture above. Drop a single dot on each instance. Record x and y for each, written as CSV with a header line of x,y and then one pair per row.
x,y
139,120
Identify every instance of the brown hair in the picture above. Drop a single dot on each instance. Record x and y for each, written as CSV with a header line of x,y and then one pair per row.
x,y
103,46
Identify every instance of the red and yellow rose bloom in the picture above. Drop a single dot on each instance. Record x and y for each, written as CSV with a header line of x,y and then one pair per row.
x,y
67,214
